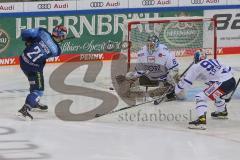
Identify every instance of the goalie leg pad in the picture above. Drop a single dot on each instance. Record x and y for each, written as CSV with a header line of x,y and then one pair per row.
x,y
145,81
158,91
124,87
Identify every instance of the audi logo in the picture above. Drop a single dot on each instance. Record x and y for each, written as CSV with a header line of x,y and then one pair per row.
x,y
197,1
96,4
44,6
148,2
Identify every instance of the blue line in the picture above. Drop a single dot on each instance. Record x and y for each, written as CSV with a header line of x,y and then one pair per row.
x,y
119,10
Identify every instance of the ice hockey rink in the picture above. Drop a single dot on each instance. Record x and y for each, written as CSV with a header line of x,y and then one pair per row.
x,y
147,132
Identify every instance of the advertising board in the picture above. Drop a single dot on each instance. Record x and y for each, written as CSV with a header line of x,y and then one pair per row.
x,y
228,28
11,7
91,33
49,6
202,2
101,4
152,3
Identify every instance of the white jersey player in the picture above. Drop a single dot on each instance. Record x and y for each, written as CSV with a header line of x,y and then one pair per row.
x,y
156,63
220,81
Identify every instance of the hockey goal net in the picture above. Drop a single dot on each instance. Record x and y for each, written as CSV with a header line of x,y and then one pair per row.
x,y
182,35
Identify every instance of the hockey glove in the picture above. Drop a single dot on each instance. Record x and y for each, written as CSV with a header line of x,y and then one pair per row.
x,y
173,77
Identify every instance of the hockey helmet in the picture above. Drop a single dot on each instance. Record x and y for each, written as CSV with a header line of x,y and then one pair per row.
x,y
152,43
59,31
199,55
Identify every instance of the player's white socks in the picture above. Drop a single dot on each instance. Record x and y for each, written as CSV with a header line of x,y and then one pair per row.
x,y
201,103
220,105
201,110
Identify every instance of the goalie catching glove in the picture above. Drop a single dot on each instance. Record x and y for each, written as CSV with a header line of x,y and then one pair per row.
x,y
173,77
135,75
131,77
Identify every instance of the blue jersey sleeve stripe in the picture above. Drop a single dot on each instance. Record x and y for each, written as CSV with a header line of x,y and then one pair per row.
x,y
201,106
173,67
189,82
179,87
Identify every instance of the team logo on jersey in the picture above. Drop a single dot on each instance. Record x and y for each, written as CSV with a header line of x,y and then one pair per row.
x,y
4,40
182,34
151,59
214,91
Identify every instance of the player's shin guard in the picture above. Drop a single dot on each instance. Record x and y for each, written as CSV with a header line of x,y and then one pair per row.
x,y
221,112
201,107
201,103
33,100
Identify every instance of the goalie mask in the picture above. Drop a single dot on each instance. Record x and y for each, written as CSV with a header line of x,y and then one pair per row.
x,y
199,55
152,43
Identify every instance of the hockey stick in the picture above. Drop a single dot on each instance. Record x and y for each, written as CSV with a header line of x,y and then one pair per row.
x,y
157,102
136,105
186,70
159,99
229,99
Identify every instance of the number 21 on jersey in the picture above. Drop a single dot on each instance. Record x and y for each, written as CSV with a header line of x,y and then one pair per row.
x,y
35,55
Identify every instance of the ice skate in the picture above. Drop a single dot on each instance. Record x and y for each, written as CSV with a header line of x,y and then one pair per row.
x,y
39,108
23,114
200,123
220,115
170,97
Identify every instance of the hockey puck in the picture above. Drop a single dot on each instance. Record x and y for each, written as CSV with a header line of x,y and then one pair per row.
x,y
111,88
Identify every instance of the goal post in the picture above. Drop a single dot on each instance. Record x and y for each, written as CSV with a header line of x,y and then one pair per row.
x,y
182,35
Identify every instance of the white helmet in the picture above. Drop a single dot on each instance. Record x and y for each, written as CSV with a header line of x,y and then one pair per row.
x,y
152,43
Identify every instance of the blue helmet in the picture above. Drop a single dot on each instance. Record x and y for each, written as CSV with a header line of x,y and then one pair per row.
x,y
59,31
199,55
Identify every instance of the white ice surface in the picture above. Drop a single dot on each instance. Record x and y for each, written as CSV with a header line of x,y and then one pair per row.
x,y
142,133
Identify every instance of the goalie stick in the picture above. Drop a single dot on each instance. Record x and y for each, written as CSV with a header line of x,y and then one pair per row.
x,y
158,100
136,105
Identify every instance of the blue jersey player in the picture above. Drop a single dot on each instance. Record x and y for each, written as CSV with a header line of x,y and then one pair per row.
x,y
40,45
